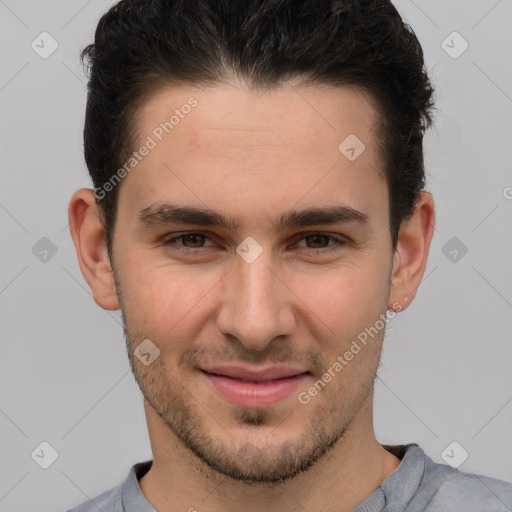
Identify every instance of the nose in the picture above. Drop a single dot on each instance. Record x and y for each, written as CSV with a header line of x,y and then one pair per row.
x,y
256,303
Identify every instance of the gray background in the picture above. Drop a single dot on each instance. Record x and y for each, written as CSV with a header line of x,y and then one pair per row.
x,y
65,377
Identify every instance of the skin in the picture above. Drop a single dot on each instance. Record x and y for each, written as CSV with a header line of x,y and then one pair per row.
x,y
255,156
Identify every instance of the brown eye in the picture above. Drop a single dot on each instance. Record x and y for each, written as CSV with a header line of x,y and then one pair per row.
x,y
189,242
318,241
193,240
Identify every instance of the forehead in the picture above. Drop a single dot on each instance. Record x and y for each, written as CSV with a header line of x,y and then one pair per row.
x,y
225,145
318,116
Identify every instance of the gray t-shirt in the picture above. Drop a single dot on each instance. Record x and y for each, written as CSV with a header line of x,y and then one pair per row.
x,y
418,484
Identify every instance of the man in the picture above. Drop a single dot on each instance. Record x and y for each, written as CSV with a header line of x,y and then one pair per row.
x,y
258,216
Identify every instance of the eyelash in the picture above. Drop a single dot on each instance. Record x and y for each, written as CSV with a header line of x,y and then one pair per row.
x,y
191,250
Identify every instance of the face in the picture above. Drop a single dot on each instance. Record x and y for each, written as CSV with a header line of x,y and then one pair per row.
x,y
248,314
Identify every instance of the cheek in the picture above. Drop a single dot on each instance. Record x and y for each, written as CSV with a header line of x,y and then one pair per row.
x,y
165,300
346,299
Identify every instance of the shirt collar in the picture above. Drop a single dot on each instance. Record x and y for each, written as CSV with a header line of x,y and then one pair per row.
x,y
399,487
132,498
396,490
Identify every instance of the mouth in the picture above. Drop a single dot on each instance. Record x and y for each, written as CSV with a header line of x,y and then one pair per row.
x,y
255,387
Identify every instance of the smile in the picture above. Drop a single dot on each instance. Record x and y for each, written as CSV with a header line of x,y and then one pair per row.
x,y
249,388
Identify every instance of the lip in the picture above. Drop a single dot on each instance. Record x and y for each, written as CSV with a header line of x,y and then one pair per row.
x,y
254,387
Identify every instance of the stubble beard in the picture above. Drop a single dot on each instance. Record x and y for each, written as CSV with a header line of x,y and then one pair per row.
x,y
241,459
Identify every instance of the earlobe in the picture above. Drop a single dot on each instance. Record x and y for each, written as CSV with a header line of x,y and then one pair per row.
x,y
88,237
410,258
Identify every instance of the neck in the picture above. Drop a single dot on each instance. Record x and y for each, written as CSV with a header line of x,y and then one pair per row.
x,y
349,473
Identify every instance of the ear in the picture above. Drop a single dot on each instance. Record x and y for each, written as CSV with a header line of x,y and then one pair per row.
x,y
88,236
410,258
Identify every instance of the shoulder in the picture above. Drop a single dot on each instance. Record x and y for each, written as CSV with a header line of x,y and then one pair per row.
x,y
109,501
116,499
445,488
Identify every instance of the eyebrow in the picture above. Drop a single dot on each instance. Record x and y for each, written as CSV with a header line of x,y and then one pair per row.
x,y
166,213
